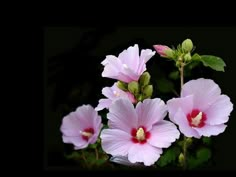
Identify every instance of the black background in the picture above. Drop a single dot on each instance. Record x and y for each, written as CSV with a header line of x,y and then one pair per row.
x,y
72,74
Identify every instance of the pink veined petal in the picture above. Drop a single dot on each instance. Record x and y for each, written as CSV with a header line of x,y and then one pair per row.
x,y
86,114
77,141
116,142
70,125
209,130
130,57
97,130
108,57
185,103
103,103
122,115
181,120
163,134
131,73
219,111
144,153
108,92
205,92
144,57
150,111
112,68
122,76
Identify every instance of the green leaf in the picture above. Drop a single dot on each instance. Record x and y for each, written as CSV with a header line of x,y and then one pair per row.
x,y
213,62
168,156
206,140
73,155
202,156
196,57
164,85
174,75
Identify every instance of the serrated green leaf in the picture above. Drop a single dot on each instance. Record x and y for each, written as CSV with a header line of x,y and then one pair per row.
x,y
213,62
202,156
168,156
164,85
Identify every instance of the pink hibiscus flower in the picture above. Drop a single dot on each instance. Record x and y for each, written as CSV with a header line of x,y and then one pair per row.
x,y
113,93
81,127
201,110
139,133
128,66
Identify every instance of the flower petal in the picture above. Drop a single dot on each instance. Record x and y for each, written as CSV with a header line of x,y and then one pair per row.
x,y
181,120
185,103
205,92
103,103
144,153
70,125
163,134
77,141
209,130
116,142
144,57
122,115
130,57
150,111
219,111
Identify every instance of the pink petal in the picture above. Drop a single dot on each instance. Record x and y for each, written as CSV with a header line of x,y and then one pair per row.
x,y
150,111
209,130
163,134
71,125
116,142
181,120
144,57
77,141
103,103
131,73
97,128
205,92
130,57
122,115
144,153
219,111
185,103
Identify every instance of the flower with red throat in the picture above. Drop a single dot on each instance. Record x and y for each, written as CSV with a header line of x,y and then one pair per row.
x,y
81,127
128,66
202,110
138,133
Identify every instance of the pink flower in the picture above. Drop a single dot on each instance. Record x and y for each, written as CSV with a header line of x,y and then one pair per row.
x,y
161,50
139,133
113,93
128,66
81,127
201,110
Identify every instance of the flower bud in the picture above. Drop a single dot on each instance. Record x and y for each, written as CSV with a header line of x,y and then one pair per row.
x,y
123,86
187,57
164,51
133,87
181,159
147,91
187,45
144,79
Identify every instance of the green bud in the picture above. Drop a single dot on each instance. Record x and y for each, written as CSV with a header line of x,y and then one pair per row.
x,y
181,159
123,86
187,57
169,53
133,87
147,91
144,79
187,45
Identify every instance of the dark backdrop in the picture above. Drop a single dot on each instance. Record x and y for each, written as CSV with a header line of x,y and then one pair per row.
x,y
72,74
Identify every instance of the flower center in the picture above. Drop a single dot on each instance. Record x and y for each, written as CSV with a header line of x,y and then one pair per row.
x,y
140,135
196,118
116,93
87,133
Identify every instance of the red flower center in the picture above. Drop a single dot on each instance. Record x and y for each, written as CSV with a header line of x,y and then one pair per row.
x,y
87,133
196,118
140,135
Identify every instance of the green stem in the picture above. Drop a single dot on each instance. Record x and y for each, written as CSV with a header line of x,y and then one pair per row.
x,y
181,69
96,153
85,160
